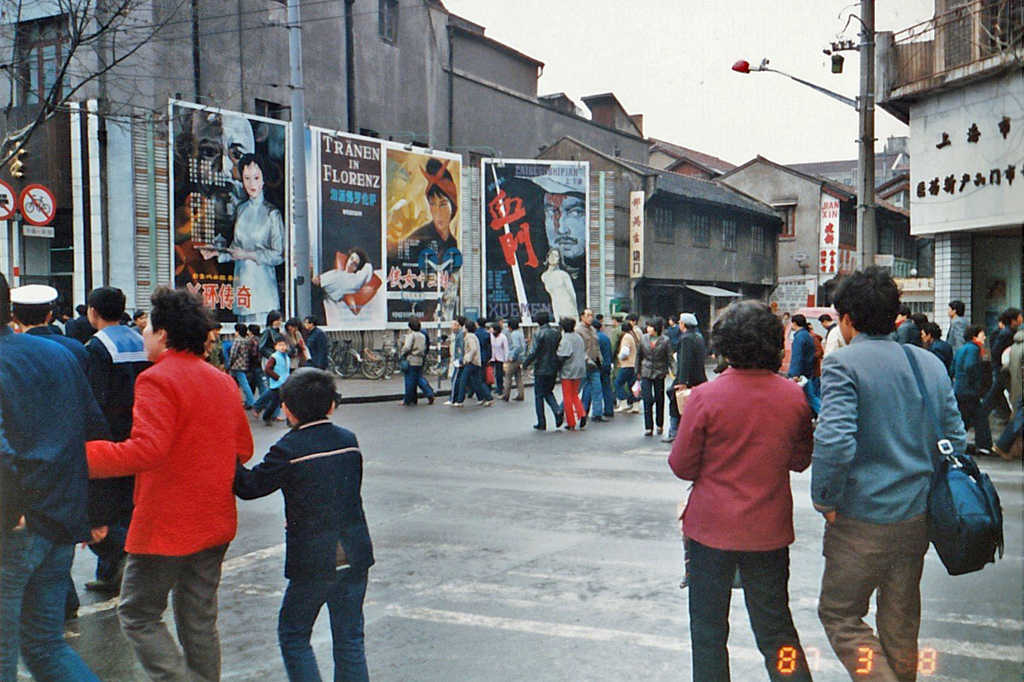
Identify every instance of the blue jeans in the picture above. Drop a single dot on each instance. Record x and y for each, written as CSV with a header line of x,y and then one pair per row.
x,y
243,383
413,380
624,381
269,403
1012,429
592,393
459,385
34,575
543,392
302,603
474,384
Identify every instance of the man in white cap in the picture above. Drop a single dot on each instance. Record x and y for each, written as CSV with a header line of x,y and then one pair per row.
x,y
691,354
32,310
48,412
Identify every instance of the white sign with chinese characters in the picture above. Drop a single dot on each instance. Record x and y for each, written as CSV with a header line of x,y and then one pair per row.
x,y
636,234
828,236
967,147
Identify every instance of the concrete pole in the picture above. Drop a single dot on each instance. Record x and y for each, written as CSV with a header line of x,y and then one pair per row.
x,y
300,214
866,233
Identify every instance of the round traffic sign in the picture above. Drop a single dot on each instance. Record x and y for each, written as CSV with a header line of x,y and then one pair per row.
x,y
8,201
37,205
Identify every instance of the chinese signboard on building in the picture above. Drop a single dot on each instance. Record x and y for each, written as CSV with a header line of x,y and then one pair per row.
x,y
828,246
636,234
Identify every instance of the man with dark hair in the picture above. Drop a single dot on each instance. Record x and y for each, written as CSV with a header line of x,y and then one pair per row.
x,y
48,413
188,433
968,387
32,311
414,351
801,357
592,392
931,339
240,363
317,344
871,476
607,355
79,328
957,324
1009,321
116,358
833,337
907,330
544,352
456,347
673,332
319,469
140,319
514,366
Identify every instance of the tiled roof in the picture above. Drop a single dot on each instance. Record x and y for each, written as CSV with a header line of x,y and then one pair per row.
x,y
707,160
689,187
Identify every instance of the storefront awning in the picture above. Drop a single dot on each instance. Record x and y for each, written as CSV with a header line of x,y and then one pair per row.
x,y
714,292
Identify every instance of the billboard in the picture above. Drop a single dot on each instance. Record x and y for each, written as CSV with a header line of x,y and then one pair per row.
x,y
348,284
230,198
536,238
423,237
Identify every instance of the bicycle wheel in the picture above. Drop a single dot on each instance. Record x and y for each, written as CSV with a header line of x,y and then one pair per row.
x,y
349,364
431,364
374,365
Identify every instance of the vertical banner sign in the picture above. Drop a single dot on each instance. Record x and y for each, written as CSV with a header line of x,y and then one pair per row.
x,y
424,242
230,200
828,252
348,289
536,240
636,234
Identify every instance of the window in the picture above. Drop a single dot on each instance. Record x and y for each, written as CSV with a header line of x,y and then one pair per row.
x,y
40,50
273,110
729,235
788,215
701,231
664,230
757,239
387,20
847,228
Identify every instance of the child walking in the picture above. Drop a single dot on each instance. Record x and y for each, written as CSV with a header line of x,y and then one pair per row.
x,y
277,370
319,469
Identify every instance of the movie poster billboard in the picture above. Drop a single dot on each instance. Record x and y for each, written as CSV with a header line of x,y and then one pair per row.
x,y
348,286
230,200
536,238
424,256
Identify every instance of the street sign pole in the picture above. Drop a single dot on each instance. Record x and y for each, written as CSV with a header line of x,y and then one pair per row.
x,y
300,215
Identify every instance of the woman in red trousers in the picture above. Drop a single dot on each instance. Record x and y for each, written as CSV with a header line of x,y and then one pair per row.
x,y
572,354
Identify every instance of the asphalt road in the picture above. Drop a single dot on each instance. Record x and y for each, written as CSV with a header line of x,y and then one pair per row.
x,y
508,554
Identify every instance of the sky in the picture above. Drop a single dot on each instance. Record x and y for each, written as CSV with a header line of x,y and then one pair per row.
x,y
671,60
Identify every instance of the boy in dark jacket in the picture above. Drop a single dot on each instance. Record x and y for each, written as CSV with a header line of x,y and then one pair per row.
x,y
319,468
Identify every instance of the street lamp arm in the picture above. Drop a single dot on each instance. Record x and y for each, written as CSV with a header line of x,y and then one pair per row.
x,y
824,91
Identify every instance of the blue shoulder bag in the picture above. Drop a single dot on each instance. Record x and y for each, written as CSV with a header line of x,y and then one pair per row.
x,y
965,520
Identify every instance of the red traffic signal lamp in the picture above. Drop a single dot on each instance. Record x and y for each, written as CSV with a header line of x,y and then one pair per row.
x,y
742,66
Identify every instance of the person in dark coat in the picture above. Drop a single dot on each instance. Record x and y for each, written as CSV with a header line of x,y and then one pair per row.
x,y
79,328
907,330
317,344
47,412
691,355
544,352
931,339
116,358
967,387
604,343
319,469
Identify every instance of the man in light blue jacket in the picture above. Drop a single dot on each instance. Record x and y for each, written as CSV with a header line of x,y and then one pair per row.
x,y
514,366
874,452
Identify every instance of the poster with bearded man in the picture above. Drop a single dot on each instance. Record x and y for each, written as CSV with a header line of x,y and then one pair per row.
x,y
536,238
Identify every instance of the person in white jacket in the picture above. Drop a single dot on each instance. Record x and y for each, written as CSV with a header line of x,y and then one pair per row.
x,y
833,339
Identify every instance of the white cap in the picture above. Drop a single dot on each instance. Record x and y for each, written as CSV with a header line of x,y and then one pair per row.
x,y
689,319
33,294
561,184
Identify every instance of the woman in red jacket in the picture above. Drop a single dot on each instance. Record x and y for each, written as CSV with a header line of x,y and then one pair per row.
x,y
188,432
738,439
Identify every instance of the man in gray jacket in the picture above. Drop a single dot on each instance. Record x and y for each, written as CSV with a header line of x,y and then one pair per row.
x,y
870,477
514,366
957,324
592,383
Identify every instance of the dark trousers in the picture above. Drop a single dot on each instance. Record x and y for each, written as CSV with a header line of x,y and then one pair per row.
x,y
299,609
1013,429
474,384
269,402
499,376
654,402
974,414
606,391
860,559
459,385
765,578
543,392
110,552
624,381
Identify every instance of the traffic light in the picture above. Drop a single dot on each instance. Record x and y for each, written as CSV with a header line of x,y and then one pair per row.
x,y
17,164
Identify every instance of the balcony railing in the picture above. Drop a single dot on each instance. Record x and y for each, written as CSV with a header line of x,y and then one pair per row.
x,y
968,32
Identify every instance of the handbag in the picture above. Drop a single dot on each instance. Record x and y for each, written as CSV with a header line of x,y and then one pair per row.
x,y
965,519
682,393
403,365
637,389
489,374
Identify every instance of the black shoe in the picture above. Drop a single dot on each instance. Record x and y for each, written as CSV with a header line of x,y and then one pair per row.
x,y
597,418
559,418
583,422
540,428
684,583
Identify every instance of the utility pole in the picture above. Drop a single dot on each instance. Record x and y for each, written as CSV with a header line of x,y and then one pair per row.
x,y
866,233
300,216
350,66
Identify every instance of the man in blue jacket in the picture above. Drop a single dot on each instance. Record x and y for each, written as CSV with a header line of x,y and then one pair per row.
x,y
48,412
870,478
317,344
968,385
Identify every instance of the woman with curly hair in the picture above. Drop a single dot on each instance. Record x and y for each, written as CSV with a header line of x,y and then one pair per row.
x,y
740,511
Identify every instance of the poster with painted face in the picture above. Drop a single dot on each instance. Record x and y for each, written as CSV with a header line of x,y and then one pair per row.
x,y
229,194
536,239
348,287
424,257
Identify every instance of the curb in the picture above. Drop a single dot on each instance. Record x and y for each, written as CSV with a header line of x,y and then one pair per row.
x,y
393,397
